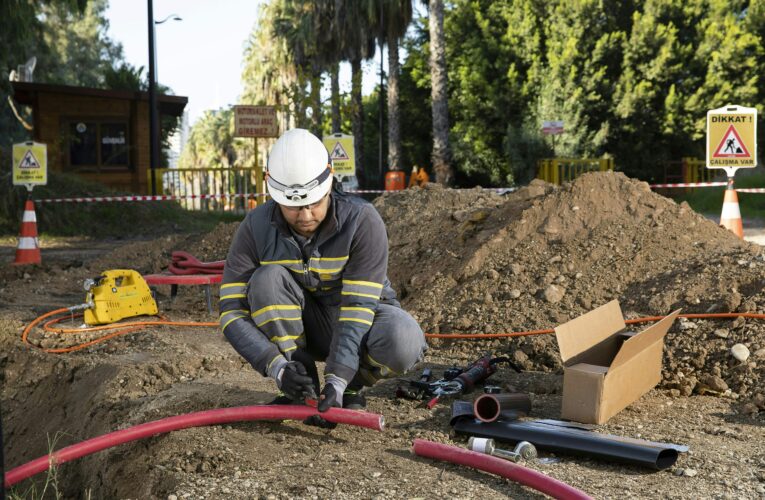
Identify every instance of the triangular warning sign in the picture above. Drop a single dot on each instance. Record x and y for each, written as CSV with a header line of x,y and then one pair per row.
x,y
731,146
29,160
338,153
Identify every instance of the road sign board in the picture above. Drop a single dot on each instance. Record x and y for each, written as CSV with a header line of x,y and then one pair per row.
x,y
30,164
255,121
732,137
552,127
340,147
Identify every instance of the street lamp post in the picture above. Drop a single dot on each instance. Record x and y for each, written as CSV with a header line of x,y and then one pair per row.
x,y
153,109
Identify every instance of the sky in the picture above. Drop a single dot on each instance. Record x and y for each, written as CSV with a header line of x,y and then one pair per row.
x,y
201,56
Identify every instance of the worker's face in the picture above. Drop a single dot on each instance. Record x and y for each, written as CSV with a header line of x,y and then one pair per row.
x,y
305,220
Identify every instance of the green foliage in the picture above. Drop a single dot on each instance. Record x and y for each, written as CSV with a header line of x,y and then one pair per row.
x,y
631,80
212,143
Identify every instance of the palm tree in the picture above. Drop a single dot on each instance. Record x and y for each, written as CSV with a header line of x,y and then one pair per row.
x,y
397,14
352,23
441,154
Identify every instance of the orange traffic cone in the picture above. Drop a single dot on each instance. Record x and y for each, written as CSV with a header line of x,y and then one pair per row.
x,y
28,251
731,214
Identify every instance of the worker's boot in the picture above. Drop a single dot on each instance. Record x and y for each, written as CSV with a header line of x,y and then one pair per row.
x,y
352,397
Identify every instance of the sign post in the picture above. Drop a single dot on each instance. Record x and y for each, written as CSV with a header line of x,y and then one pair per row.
x,y
732,138
340,147
255,122
30,165
552,128
732,144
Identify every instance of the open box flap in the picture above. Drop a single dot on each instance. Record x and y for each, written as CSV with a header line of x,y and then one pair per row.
x,y
578,335
643,339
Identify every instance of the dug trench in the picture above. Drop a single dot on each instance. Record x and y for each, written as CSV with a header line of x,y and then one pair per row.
x,y
463,261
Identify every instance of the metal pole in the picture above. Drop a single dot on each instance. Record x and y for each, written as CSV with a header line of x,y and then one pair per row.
x,y
259,188
153,115
382,74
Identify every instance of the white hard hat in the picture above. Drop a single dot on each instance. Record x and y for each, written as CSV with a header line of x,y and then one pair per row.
x,y
299,169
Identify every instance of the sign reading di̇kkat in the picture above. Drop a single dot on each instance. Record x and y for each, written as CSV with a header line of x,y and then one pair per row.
x,y
255,121
30,164
732,137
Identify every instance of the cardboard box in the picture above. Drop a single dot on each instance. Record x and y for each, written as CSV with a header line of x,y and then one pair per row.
x,y
605,368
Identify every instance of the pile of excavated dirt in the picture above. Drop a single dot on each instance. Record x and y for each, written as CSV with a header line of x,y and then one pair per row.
x,y
463,261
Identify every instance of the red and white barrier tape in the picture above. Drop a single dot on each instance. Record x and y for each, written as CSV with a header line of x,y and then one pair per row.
x,y
97,199
751,190
686,185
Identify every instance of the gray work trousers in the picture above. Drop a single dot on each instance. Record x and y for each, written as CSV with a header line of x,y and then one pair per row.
x,y
293,319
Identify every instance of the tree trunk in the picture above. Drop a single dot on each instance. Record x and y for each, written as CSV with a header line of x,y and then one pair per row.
x,y
357,118
394,126
316,124
335,79
441,155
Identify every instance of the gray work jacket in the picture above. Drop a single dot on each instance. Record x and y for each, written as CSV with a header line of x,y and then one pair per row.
x,y
345,264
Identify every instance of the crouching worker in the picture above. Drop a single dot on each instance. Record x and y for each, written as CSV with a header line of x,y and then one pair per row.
x,y
306,279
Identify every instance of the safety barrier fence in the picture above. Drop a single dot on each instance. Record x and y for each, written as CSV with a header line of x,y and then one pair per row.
x,y
690,172
560,170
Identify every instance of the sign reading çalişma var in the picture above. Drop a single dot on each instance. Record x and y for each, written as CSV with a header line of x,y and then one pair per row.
x,y
255,121
340,147
30,164
732,137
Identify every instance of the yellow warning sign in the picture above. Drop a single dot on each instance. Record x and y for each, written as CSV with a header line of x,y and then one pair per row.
x,y
732,137
340,147
30,164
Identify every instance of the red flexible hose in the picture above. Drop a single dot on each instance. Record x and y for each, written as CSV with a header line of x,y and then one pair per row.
x,y
499,466
197,419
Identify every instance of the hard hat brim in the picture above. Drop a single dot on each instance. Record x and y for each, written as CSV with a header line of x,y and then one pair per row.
x,y
314,195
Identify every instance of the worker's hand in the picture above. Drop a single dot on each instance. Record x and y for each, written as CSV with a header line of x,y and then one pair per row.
x,y
295,382
329,398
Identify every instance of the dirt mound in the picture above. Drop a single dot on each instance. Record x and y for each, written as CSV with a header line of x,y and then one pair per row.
x,y
476,262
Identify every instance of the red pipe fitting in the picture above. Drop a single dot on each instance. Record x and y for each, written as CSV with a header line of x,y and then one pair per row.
x,y
494,465
196,419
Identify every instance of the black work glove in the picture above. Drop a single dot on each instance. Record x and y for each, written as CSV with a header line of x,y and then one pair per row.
x,y
295,382
328,398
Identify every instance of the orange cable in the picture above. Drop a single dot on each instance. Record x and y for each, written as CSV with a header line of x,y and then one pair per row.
x,y
133,326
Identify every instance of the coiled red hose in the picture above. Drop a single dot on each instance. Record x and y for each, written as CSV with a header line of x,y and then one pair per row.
x,y
197,419
514,472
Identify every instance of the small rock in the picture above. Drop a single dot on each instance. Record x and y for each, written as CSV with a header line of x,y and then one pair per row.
x,y
721,332
678,472
714,383
740,352
759,353
759,400
750,409
172,497
687,325
555,259
493,274
759,488
515,293
553,294
689,472
376,474
516,269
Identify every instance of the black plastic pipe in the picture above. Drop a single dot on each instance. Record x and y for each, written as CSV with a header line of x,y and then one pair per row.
x,y
569,440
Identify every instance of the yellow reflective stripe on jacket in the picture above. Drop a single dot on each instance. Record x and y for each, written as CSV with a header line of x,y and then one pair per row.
x,y
276,307
363,283
384,370
284,338
278,319
356,320
362,295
